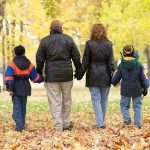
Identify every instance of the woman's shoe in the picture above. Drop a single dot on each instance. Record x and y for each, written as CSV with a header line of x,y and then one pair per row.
x,y
102,127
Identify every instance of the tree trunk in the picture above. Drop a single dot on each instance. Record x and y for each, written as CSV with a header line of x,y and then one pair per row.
x,y
13,36
21,31
2,12
147,52
8,43
3,59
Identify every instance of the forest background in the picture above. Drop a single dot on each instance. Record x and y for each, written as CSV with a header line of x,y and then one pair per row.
x,y
27,22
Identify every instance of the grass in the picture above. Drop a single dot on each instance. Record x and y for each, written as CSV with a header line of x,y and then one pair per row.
x,y
77,106
38,102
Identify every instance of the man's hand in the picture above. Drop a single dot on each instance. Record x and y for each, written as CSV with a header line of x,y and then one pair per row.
x,y
11,93
145,92
39,72
77,75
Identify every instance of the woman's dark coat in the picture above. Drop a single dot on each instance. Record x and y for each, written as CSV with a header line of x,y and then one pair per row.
x,y
98,63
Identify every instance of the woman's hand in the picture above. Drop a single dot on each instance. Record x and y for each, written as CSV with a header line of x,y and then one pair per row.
x,y
77,75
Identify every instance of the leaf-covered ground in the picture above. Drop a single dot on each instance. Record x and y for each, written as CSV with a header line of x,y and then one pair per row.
x,y
39,133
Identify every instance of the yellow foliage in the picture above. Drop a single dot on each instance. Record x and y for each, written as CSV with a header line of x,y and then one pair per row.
x,y
128,22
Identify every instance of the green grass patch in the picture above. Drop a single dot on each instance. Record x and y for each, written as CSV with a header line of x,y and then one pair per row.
x,y
42,106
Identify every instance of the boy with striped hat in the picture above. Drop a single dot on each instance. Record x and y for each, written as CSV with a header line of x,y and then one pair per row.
x,y
133,85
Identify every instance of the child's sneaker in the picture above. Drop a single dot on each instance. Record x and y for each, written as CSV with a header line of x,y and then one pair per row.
x,y
18,130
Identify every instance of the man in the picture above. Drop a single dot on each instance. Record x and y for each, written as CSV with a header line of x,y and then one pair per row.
x,y
56,52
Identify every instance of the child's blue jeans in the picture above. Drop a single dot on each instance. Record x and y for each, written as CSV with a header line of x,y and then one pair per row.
x,y
137,107
99,97
19,111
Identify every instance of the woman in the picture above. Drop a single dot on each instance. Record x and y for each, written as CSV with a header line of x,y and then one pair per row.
x,y
98,64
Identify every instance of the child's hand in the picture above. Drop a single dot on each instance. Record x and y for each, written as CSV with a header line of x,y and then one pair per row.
x,y
41,79
145,92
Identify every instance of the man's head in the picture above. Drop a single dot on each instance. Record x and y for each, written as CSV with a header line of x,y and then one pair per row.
x,y
19,50
56,25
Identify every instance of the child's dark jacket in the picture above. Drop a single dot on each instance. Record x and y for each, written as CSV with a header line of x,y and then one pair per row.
x,y
17,76
133,78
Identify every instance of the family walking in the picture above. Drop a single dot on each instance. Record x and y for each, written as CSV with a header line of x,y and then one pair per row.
x,y
54,66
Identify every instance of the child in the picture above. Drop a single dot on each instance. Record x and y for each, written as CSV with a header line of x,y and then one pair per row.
x,y
17,76
133,85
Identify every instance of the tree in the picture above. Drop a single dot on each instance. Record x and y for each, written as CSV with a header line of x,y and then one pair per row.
x,y
25,27
77,17
127,23
2,13
28,26
51,7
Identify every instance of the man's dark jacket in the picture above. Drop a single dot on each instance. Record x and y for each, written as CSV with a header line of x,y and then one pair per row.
x,y
56,51
98,63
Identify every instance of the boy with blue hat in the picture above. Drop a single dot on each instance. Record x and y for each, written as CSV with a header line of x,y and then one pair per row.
x,y
17,76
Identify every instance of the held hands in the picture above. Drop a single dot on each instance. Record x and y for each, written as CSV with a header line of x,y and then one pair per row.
x,y
39,72
77,75
42,78
11,93
112,69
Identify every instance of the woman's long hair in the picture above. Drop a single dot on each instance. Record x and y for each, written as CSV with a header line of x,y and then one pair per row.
x,y
98,32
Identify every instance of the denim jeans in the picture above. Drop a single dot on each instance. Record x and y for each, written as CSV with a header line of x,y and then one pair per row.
x,y
99,97
137,107
19,111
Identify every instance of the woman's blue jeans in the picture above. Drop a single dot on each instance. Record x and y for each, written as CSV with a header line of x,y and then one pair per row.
x,y
99,97
19,111
137,107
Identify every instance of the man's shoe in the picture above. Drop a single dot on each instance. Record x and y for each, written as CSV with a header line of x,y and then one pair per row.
x,y
126,123
69,127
